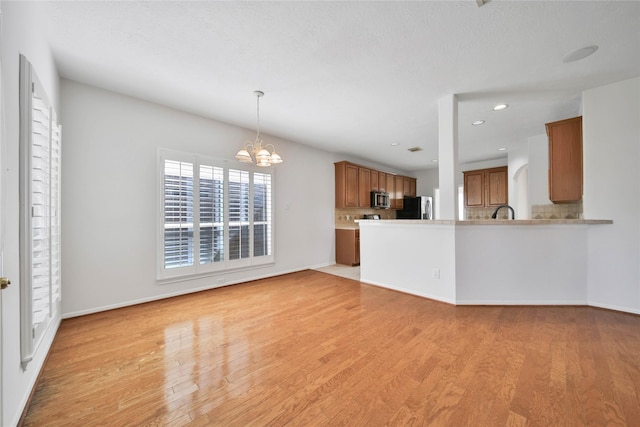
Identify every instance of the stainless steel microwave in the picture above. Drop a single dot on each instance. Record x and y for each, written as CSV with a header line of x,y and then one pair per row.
x,y
380,200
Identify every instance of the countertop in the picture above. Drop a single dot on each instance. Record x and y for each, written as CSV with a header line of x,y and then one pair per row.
x,y
488,221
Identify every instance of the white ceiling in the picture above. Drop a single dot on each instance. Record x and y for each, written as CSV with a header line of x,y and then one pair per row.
x,y
353,77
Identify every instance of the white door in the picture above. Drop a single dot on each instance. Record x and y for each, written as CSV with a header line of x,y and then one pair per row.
x,y
2,216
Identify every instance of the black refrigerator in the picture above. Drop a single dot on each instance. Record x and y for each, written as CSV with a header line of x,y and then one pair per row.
x,y
420,207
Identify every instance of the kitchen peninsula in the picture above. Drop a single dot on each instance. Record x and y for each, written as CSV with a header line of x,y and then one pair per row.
x,y
480,262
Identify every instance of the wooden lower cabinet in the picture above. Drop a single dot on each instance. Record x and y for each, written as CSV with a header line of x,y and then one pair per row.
x,y
348,247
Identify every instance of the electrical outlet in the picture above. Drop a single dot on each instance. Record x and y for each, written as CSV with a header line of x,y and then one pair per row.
x,y
436,273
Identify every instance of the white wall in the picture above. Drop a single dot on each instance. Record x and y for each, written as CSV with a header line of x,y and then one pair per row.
x,y
539,170
426,181
20,34
518,159
611,137
110,208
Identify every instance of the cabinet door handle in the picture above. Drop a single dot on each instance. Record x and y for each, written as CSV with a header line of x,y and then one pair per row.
x,y
4,282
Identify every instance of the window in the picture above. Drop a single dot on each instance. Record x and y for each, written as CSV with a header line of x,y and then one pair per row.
x,y
215,215
40,279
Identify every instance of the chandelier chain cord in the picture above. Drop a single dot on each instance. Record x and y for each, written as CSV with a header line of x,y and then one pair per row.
x,y
258,114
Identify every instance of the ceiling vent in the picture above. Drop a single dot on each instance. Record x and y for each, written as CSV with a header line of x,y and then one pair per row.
x,y
414,149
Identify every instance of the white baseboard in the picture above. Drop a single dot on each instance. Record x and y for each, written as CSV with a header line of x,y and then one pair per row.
x,y
369,282
520,302
408,291
178,293
615,307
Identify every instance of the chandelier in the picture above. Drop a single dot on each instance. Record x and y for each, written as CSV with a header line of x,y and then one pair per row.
x,y
257,151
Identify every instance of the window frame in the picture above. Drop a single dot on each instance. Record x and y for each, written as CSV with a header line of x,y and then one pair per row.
x,y
195,268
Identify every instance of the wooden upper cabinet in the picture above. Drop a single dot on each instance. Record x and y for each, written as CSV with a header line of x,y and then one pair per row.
x,y
364,187
496,181
346,180
565,160
409,187
355,183
374,180
382,182
391,188
398,199
474,189
486,187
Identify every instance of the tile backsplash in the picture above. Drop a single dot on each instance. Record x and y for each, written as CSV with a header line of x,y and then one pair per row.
x,y
346,217
475,214
550,211
557,211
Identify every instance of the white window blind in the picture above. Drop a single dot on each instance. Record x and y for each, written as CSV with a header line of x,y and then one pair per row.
x,y
261,214
178,214
211,195
40,157
206,221
40,208
238,214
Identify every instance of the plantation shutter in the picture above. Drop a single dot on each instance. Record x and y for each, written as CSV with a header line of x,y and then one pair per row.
x,y
214,215
40,209
40,238
261,214
238,214
211,194
178,214
55,227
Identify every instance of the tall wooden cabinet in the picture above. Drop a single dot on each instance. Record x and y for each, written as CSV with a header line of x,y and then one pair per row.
x,y
565,160
486,187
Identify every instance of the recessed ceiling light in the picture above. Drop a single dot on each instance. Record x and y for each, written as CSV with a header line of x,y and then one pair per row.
x,y
478,122
395,144
500,107
502,149
579,54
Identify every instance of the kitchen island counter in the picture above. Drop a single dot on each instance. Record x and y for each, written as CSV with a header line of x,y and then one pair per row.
x,y
481,262
489,221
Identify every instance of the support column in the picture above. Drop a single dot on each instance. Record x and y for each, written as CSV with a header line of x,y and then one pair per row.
x,y
448,156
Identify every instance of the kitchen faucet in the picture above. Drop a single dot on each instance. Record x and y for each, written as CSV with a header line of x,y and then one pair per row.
x,y
495,213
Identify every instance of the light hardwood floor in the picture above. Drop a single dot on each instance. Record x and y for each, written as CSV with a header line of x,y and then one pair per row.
x,y
312,349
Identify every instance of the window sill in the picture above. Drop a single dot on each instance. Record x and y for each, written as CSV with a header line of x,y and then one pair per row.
x,y
193,276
